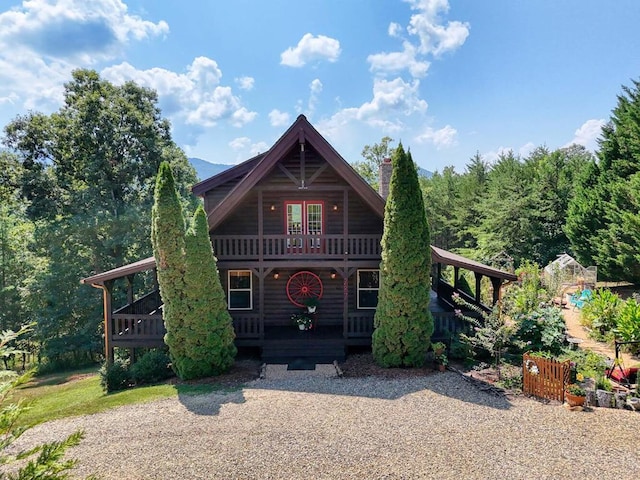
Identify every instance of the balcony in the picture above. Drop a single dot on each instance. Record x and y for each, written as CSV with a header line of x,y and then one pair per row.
x,y
272,247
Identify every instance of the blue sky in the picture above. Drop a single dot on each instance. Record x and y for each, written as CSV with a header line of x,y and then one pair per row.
x,y
447,78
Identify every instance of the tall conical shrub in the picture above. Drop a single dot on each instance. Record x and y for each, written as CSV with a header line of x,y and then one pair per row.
x,y
208,328
403,323
167,236
199,328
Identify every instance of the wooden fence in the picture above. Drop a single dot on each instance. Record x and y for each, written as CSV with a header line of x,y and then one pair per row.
x,y
544,378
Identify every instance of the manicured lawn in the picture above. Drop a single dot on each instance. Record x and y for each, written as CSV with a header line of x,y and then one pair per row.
x,y
79,393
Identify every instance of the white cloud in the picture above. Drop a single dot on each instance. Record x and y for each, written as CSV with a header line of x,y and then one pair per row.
x,y
245,83
278,118
315,89
245,148
242,116
392,101
434,37
195,97
240,143
394,29
588,134
493,155
525,150
42,41
442,138
395,62
311,48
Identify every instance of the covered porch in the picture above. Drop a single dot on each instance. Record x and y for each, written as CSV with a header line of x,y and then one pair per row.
x,y
139,322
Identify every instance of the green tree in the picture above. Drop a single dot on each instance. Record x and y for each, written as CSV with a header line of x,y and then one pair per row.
x,y
209,327
403,323
373,156
441,200
200,331
602,224
42,461
507,224
168,239
87,175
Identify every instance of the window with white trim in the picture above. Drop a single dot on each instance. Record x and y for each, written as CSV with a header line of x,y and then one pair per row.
x,y
368,288
240,293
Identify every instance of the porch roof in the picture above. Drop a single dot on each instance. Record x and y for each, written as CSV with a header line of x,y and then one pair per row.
x,y
123,271
448,258
438,255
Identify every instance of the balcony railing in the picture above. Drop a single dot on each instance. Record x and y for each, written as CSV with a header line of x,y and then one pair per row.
x,y
249,247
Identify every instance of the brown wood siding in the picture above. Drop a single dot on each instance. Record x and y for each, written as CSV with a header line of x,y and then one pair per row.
x,y
213,197
244,220
361,218
278,308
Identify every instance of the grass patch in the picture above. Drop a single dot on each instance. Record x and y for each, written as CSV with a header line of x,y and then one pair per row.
x,y
79,393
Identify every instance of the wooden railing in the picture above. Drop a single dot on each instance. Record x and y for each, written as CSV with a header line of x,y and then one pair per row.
x,y
249,247
144,305
134,327
359,325
246,325
131,327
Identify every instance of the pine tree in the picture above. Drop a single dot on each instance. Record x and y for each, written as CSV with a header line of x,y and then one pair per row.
x,y
403,323
208,328
168,238
603,215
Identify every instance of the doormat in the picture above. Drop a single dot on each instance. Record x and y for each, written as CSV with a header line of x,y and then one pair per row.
x,y
301,364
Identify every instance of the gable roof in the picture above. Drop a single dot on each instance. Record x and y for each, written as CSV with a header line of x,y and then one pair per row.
x,y
301,131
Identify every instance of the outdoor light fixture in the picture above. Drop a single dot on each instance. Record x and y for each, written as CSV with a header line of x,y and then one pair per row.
x,y
272,207
335,207
276,275
333,274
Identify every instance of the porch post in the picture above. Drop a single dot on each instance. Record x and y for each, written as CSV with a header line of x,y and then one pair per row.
x,y
130,289
106,294
478,280
496,283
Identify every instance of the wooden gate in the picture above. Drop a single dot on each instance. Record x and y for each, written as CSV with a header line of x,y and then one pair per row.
x,y
544,378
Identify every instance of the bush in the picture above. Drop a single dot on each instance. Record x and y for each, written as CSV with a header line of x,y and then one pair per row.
x,y
588,363
115,377
152,367
628,324
600,313
542,329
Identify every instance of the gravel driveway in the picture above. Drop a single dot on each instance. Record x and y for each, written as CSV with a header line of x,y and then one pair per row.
x,y
313,425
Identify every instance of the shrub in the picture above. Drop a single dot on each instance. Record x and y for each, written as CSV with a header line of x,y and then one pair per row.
x,y
600,313
526,296
152,367
115,377
587,363
628,324
542,329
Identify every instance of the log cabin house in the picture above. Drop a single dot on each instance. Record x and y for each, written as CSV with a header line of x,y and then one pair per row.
x,y
293,223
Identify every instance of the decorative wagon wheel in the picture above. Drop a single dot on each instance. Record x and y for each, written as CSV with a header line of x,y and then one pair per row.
x,y
302,286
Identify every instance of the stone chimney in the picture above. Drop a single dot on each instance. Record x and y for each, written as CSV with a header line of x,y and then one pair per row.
x,y
384,173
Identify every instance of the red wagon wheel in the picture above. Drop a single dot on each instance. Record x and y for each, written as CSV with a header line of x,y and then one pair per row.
x,y
302,286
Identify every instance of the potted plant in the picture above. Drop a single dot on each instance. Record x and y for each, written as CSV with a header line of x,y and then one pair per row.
x,y
438,348
312,303
574,394
442,361
302,320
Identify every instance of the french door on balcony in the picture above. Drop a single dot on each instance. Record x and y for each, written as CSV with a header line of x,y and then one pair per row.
x,y
305,221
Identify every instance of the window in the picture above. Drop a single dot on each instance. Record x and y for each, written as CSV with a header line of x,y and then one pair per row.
x,y
368,287
240,293
304,218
